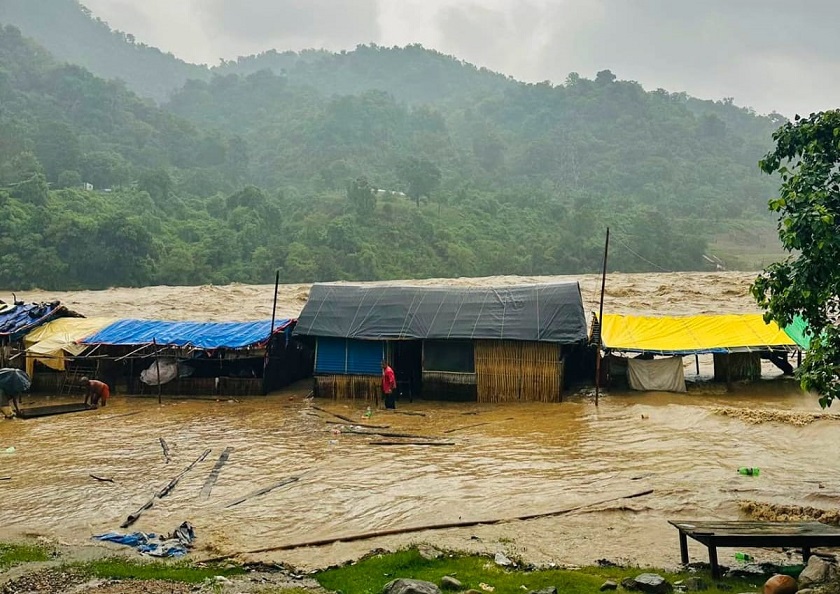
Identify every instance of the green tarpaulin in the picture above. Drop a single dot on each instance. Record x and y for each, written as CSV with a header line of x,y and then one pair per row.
x,y
798,331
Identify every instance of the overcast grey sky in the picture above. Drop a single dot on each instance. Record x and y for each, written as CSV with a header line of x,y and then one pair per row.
x,y
767,54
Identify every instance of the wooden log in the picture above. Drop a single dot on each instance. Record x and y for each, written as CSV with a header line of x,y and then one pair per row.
x,y
102,479
387,434
411,443
5,478
465,427
283,483
171,485
166,453
162,493
409,530
336,415
214,474
410,413
358,425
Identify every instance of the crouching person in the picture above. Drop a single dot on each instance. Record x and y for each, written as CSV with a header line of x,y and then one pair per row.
x,y
95,392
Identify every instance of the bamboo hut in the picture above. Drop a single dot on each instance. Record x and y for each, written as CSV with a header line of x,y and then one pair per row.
x,y
737,343
485,344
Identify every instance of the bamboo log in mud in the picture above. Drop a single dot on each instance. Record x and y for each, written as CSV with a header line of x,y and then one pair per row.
x,y
163,492
387,434
465,427
283,483
100,479
411,443
214,474
167,454
365,425
409,530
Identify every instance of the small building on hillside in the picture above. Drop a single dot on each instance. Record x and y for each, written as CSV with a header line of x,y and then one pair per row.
x,y
737,342
193,358
485,344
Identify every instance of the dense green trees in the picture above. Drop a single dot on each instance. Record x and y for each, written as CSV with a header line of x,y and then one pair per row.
x,y
807,283
321,164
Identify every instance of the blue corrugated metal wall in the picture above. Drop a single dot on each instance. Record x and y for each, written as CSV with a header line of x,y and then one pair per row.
x,y
339,356
331,356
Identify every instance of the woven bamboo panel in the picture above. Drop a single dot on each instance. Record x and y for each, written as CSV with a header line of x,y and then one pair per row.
x,y
349,387
737,367
510,371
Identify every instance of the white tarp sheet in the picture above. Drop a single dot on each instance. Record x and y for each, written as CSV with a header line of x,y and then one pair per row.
x,y
656,375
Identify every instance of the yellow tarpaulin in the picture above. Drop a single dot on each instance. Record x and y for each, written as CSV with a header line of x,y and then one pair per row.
x,y
49,343
691,334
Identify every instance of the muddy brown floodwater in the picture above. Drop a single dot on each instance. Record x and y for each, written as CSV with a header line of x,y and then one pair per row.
x,y
528,458
521,459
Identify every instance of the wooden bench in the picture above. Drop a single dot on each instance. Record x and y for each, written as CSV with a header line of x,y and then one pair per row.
x,y
804,535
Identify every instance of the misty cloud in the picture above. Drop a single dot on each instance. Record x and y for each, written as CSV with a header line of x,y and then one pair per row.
x,y
768,54
291,24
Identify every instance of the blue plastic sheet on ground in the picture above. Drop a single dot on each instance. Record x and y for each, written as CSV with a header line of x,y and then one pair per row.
x,y
200,335
175,545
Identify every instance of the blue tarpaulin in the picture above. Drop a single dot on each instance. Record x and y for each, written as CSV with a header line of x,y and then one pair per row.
x,y
200,335
16,321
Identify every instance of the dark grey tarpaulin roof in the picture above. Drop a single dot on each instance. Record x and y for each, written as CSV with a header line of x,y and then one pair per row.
x,y
550,313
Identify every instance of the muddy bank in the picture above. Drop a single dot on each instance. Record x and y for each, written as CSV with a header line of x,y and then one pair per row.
x,y
759,416
773,512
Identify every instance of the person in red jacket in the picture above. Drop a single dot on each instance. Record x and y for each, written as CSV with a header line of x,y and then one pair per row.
x,y
95,391
389,386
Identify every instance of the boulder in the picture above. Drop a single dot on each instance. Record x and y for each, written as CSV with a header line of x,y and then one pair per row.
x,y
429,552
818,572
696,584
502,559
652,583
406,586
629,584
806,591
608,585
448,582
780,584
551,590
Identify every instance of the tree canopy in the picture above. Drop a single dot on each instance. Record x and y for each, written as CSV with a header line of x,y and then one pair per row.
x,y
807,283
372,164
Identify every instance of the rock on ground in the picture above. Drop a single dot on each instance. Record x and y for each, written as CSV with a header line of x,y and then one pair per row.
x,y
429,552
406,586
551,590
448,582
818,572
780,584
608,585
652,583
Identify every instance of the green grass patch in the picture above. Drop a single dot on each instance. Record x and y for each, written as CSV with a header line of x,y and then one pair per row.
x,y
370,575
15,554
178,571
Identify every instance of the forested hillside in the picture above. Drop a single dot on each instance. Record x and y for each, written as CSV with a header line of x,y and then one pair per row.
x,y
377,163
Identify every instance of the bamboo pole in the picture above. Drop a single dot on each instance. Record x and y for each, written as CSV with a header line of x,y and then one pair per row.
x,y
601,322
409,530
157,366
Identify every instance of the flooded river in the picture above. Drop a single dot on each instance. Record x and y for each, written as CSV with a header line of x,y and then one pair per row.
x,y
505,461
521,459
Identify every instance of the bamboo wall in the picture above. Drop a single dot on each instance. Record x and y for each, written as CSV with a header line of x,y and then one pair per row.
x,y
349,387
735,367
511,371
449,385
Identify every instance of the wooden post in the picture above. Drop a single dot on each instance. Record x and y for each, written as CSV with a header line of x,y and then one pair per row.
x,y
267,361
601,322
697,363
157,367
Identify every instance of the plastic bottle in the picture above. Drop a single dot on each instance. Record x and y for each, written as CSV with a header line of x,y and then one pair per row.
x,y
743,557
748,471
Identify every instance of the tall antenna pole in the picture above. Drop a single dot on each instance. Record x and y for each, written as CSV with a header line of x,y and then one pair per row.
x,y
601,321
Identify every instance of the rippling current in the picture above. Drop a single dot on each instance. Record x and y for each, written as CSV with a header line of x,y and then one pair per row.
x,y
516,459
